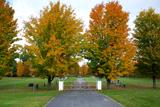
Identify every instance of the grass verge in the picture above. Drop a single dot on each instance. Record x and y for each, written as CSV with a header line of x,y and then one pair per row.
x,y
14,92
138,93
135,97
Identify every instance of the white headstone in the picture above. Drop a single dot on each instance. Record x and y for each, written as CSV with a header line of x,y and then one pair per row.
x,y
60,85
99,85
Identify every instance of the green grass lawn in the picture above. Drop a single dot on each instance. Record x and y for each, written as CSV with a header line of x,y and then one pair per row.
x,y
135,97
90,79
14,92
139,82
70,81
138,93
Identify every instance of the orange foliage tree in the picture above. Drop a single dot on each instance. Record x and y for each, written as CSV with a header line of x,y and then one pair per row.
x,y
110,52
53,39
25,69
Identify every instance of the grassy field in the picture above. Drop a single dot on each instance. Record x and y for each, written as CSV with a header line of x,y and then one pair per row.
x,y
14,92
138,93
138,82
90,79
69,81
135,97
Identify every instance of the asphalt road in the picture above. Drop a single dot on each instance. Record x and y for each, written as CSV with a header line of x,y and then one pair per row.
x,y
82,99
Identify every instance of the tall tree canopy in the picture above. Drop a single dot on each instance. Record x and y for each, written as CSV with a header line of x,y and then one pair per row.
x,y
147,37
110,52
53,39
8,35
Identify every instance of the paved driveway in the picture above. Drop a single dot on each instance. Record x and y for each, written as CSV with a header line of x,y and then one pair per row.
x,y
82,99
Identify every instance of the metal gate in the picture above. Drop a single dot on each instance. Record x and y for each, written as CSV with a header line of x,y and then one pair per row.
x,y
80,86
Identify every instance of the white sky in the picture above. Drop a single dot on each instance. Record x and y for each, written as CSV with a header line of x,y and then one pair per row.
x,y
26,8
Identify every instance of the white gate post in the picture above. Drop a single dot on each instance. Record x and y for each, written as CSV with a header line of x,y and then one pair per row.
x,y
99,85
60,85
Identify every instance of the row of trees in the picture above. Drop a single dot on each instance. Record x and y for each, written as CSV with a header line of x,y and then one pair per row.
x,y
56,42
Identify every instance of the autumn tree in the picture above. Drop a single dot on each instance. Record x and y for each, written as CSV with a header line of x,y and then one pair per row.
x,y
24,69
110,52
7,36
147,38
84,70
20,69
74,70
53,40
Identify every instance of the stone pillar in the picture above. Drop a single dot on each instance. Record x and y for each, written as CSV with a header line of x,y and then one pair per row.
x,y
99,85
61,86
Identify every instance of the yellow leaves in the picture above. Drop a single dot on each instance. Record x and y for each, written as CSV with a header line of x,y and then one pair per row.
x,y
54,47
84,70
53,39
51,70
25,69
35,51
20,69
100,71
57,52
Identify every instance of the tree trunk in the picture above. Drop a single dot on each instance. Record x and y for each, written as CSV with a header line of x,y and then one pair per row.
x,y
49,81
50,78
108,83
154,81
154,76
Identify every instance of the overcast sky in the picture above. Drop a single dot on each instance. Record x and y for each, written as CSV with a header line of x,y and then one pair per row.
x,y
25,8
